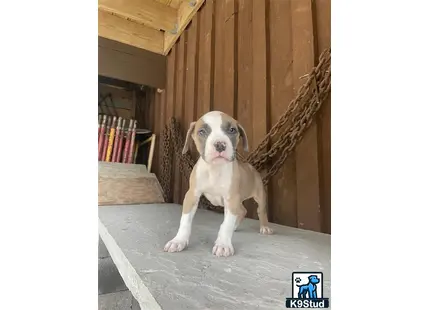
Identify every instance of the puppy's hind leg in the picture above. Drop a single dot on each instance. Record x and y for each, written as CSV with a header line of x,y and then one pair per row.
x,y
240,216
260,198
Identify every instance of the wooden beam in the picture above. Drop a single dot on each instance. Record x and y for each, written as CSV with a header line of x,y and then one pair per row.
x,y
131,33
148,12
128,63
172,3
186,12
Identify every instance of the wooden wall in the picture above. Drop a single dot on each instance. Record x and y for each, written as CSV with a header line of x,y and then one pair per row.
x,y
246,57
128,63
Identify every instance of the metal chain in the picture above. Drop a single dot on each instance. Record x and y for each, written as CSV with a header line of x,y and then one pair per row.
x,y
288,131
166,164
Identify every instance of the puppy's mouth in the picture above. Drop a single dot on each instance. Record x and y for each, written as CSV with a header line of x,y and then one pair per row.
x,y
221,156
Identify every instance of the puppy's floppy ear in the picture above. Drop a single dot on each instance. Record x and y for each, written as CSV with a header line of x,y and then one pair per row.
x,y
188,138
244,137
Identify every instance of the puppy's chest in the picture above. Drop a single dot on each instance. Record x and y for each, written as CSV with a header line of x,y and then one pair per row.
x,y
215,181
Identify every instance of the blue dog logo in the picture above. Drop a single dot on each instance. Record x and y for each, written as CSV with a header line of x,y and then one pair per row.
x,y
309,289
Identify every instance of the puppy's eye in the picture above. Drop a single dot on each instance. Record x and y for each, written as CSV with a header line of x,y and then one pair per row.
x,y
201,132
232,130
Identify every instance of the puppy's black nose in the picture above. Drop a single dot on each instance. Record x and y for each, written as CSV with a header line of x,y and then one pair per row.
x,y
219,146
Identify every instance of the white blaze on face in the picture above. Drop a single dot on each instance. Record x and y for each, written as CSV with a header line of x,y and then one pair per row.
x,y
214,120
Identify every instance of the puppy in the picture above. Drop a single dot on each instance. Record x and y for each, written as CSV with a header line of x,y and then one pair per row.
x,y
222,179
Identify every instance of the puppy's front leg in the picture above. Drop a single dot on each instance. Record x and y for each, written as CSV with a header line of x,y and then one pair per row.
x,y
182,237
223,245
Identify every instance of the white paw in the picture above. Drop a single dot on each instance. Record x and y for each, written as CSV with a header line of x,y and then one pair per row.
x,y
175,245
223,249
266,230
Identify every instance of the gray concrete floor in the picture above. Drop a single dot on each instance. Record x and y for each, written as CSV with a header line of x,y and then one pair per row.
x,y
258,276
113,293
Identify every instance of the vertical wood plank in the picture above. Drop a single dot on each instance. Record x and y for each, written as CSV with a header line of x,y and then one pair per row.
x,y
229,104
157,131
245,80
259,87
307,172
151,111
178,110
322,14
244,69
218,96
190,82
205,64
205,58
170,102
163,102
283,190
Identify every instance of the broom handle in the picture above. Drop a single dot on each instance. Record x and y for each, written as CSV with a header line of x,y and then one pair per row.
x,y
115,144
121,140
101,137
127,143
111,138
106,137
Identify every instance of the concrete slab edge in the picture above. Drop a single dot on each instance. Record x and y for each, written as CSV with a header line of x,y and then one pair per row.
x,y
131,279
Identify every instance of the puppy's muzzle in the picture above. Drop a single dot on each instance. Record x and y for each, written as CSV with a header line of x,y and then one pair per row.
x,y
220,146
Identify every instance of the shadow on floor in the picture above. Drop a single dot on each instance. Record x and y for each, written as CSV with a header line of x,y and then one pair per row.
x,y
113,293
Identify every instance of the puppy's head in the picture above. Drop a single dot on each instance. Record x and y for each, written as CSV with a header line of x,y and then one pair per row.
x,y
216,136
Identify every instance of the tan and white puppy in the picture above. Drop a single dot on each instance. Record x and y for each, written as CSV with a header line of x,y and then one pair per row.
x,y
222,179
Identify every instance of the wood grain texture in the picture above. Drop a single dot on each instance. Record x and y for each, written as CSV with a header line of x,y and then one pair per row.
x,y
186,11
205,58
191,84
283,189
120,170
307,170
219,66
178,193
245,75
260,82
157,129
322,18
127,32
230,59
126,191
170,103
150,13
172,3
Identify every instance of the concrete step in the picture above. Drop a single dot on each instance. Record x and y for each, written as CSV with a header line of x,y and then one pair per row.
x,y
258,276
